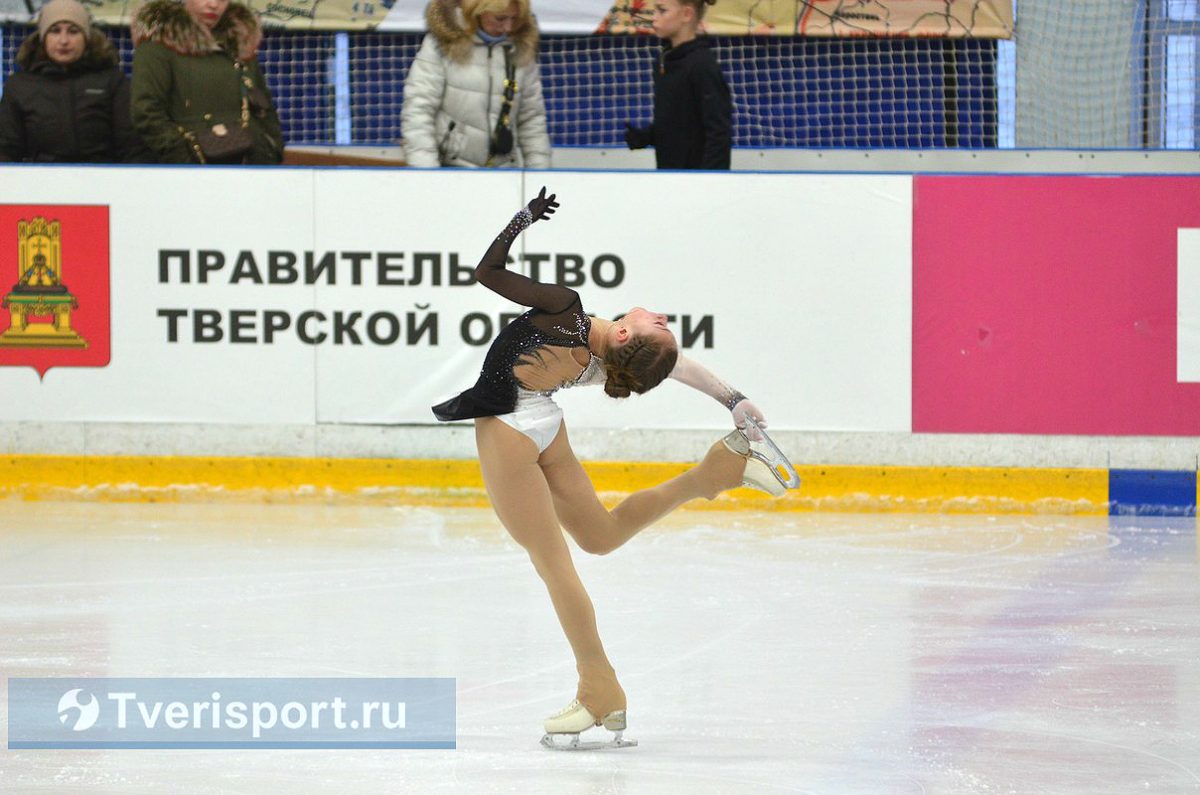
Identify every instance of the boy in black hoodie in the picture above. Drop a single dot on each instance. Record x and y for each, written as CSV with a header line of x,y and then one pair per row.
x,y
693,113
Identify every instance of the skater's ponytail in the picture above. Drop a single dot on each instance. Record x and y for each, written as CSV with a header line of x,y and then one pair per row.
x,y
638,366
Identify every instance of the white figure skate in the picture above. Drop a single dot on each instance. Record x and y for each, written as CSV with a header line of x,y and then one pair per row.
x,y
563,729
767,468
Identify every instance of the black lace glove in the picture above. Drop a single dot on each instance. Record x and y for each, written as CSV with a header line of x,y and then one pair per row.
x,y
638,137
542,206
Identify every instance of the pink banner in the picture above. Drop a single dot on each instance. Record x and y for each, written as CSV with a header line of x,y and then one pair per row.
x,y
1048,305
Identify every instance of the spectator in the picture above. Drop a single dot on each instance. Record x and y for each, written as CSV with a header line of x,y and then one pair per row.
x,y
473,96
70,101
198,93
693,113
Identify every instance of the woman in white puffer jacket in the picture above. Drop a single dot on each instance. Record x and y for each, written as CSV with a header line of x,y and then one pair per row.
x,y
455,90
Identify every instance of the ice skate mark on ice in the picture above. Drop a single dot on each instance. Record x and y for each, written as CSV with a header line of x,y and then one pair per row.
x,y
698,649
1058,558
566,665
308,591
707,779
1016,541
1092,741
307,575
961,585
333,669
563,664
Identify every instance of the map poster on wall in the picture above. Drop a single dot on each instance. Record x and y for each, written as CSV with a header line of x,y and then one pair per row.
x,y
989,19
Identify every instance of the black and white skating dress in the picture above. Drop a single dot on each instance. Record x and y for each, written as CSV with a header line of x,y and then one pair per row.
x,y
542,351
555,323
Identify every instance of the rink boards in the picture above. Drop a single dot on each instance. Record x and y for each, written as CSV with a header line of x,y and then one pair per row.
x,y
988,490
877,303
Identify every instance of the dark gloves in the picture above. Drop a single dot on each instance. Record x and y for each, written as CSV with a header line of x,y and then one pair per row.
x,y
543,206
638,137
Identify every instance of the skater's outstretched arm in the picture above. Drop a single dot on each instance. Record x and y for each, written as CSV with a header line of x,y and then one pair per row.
x,y
697,376
492,271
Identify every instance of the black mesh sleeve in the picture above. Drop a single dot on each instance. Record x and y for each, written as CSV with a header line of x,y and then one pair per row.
x,y
492,272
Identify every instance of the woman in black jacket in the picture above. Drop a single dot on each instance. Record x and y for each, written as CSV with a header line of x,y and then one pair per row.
x,y
70,101
693,112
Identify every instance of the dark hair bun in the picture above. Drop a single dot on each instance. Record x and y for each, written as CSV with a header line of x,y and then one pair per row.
x,y
614,387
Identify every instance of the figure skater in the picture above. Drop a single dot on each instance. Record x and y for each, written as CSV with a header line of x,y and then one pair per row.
x,y
533,478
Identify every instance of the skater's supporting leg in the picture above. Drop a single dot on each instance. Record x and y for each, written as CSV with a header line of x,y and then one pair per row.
x,y
598,530
521,497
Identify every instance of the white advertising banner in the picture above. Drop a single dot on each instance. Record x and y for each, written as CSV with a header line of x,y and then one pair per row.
x,y
148,377
285,296
1187,322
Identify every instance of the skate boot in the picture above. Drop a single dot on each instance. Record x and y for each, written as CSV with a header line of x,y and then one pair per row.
x,y
767,469
758,474
563,729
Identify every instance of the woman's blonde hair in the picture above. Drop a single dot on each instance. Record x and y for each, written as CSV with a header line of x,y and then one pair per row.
x,y
473,9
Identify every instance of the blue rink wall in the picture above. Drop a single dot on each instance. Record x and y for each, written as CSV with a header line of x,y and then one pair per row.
x,y
1151,492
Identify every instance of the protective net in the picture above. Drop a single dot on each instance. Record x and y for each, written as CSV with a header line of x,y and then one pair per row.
x,y
1106,74
787,91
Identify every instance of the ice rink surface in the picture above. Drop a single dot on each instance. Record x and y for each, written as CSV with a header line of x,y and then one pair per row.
x,y
827,653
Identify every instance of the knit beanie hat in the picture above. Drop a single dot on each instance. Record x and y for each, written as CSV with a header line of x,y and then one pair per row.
x,y
63,11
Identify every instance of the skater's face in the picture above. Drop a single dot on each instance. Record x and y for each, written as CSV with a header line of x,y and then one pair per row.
x,y
671,18
65,43
642,323
499,24
207,12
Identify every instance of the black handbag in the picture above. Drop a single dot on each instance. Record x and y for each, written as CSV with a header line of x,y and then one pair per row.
x,y
221,143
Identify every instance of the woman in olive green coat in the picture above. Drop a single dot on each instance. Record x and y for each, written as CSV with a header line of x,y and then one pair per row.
x,y
196,81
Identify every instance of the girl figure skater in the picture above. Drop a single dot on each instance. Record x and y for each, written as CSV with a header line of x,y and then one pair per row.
x,y
533,478
693,113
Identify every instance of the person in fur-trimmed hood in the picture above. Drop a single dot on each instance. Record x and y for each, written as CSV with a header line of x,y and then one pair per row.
x,y
458,109
198,93
70,101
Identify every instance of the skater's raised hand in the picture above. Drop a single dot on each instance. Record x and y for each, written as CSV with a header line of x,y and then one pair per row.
x,y
543,206
749,418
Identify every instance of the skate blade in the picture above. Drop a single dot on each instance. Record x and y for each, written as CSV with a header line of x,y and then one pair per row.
x,y
571,742
769,453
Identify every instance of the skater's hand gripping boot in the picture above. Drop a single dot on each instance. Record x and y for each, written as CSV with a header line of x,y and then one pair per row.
x,y
757,474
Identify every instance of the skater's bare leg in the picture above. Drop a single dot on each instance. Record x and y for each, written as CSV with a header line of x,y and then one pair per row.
x,y
521,497
598,530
